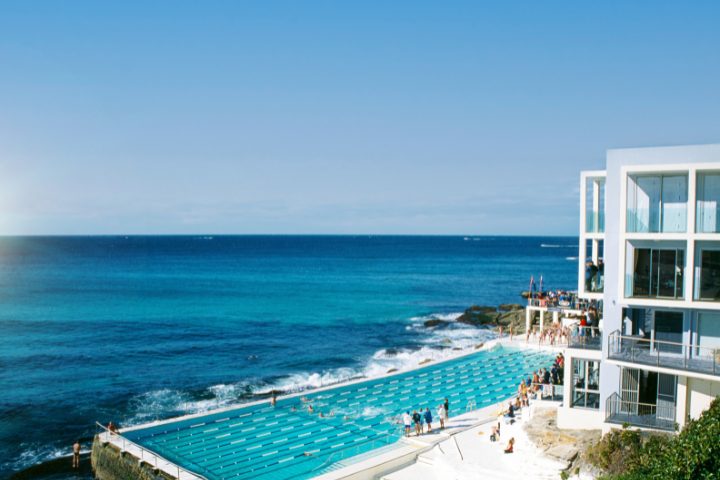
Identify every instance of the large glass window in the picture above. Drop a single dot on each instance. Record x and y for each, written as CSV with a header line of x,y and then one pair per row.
x,y
657,203
658,273
595,212
708,333
586,383
708,198
708,280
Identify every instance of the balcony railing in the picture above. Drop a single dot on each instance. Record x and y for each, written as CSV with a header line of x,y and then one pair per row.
x,y
661,353
661,417
589,338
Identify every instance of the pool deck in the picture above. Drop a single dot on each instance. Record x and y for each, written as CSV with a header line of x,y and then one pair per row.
x,y
373,464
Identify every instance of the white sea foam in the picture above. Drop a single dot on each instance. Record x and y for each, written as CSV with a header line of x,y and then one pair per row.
x,y
445,341
571,258
552,245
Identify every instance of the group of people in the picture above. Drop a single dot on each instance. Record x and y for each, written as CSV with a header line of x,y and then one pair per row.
x,y
540,382
420,418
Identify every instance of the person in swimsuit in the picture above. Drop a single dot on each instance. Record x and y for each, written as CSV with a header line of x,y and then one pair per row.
x,y
510,445
76,454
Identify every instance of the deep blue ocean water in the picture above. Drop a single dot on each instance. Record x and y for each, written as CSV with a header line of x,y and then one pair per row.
x,y
132,329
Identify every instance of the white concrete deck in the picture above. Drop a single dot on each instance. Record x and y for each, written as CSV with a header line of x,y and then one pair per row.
x,y
471,455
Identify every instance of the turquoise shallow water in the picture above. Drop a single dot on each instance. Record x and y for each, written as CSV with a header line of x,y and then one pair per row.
x,y
134,329
287,441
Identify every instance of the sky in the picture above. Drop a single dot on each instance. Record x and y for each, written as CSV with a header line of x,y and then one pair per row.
x,y
447,117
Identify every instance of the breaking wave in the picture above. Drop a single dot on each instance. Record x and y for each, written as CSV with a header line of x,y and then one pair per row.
x,y
552,245
448,339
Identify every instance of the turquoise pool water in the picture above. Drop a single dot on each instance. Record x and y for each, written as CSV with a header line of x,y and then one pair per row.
x,y
286,441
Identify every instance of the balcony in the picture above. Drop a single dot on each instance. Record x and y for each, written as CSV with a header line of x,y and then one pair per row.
x,y
589,338
660,353
659,417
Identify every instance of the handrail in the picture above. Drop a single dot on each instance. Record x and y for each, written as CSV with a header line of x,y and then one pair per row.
x,y
143,450
458,448
694,357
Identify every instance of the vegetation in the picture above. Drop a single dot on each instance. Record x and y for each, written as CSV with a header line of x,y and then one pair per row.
x,y
692,455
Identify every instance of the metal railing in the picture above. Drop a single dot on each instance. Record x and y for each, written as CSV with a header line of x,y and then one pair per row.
x,y
549,391
662,353
638,414
586,337
153,458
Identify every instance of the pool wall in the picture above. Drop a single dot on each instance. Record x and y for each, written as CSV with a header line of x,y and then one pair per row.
x,y
109,463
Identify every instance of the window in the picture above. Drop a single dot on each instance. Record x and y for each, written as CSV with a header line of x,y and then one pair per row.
x,y
657,203
586,384
658,273
708,286
708,197
594,212
708,333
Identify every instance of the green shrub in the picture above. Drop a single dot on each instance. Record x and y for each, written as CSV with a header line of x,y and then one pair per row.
x,y
692,455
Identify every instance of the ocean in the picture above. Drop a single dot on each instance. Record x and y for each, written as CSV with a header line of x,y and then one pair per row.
x,y
138,328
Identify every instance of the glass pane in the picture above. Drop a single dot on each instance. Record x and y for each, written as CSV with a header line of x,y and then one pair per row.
x,y
641,273
669,328
667,273
674,203
710,275
708,196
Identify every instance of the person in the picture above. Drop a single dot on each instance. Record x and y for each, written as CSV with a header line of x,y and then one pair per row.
x,y
546,376
447,407
495,434
112,427
510,413
500,331
76,454
293,408
512,331
273,398
310,408
518,405
442,415
417,419
510,445
428,420
590,272
407,420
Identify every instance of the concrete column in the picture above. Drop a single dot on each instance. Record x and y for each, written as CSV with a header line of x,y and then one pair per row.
x,y
681,400
542,320
556,317
528,313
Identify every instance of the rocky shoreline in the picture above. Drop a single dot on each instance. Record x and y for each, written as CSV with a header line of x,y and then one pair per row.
x,y
503,315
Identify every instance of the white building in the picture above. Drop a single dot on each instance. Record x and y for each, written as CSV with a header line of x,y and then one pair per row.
x,y
653,216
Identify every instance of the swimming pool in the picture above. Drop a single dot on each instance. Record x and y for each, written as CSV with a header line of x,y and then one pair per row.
x,y
287,441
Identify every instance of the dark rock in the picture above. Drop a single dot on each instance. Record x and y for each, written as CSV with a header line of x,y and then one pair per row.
x,y
391,352
477,316
481,309
427,360
509,307
434,322
392,370
479,346
525,294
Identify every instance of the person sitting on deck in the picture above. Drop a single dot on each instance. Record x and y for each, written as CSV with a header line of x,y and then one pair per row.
x,y
510,445
495,433
510,413
428,420
518,404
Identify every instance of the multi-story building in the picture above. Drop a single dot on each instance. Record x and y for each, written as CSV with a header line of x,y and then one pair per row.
x,y
650,260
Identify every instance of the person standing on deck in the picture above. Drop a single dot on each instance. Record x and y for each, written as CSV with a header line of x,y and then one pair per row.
x,y
407,420
442,415
447,407
428,420
417,419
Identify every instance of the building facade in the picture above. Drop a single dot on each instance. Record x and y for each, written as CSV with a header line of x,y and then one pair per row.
x,y
650,261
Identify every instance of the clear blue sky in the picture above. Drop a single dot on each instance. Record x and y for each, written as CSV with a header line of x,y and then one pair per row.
x,y
337,117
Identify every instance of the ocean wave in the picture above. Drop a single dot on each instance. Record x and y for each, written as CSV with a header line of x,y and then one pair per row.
x,y
435,345
552,245
571,258
33,454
